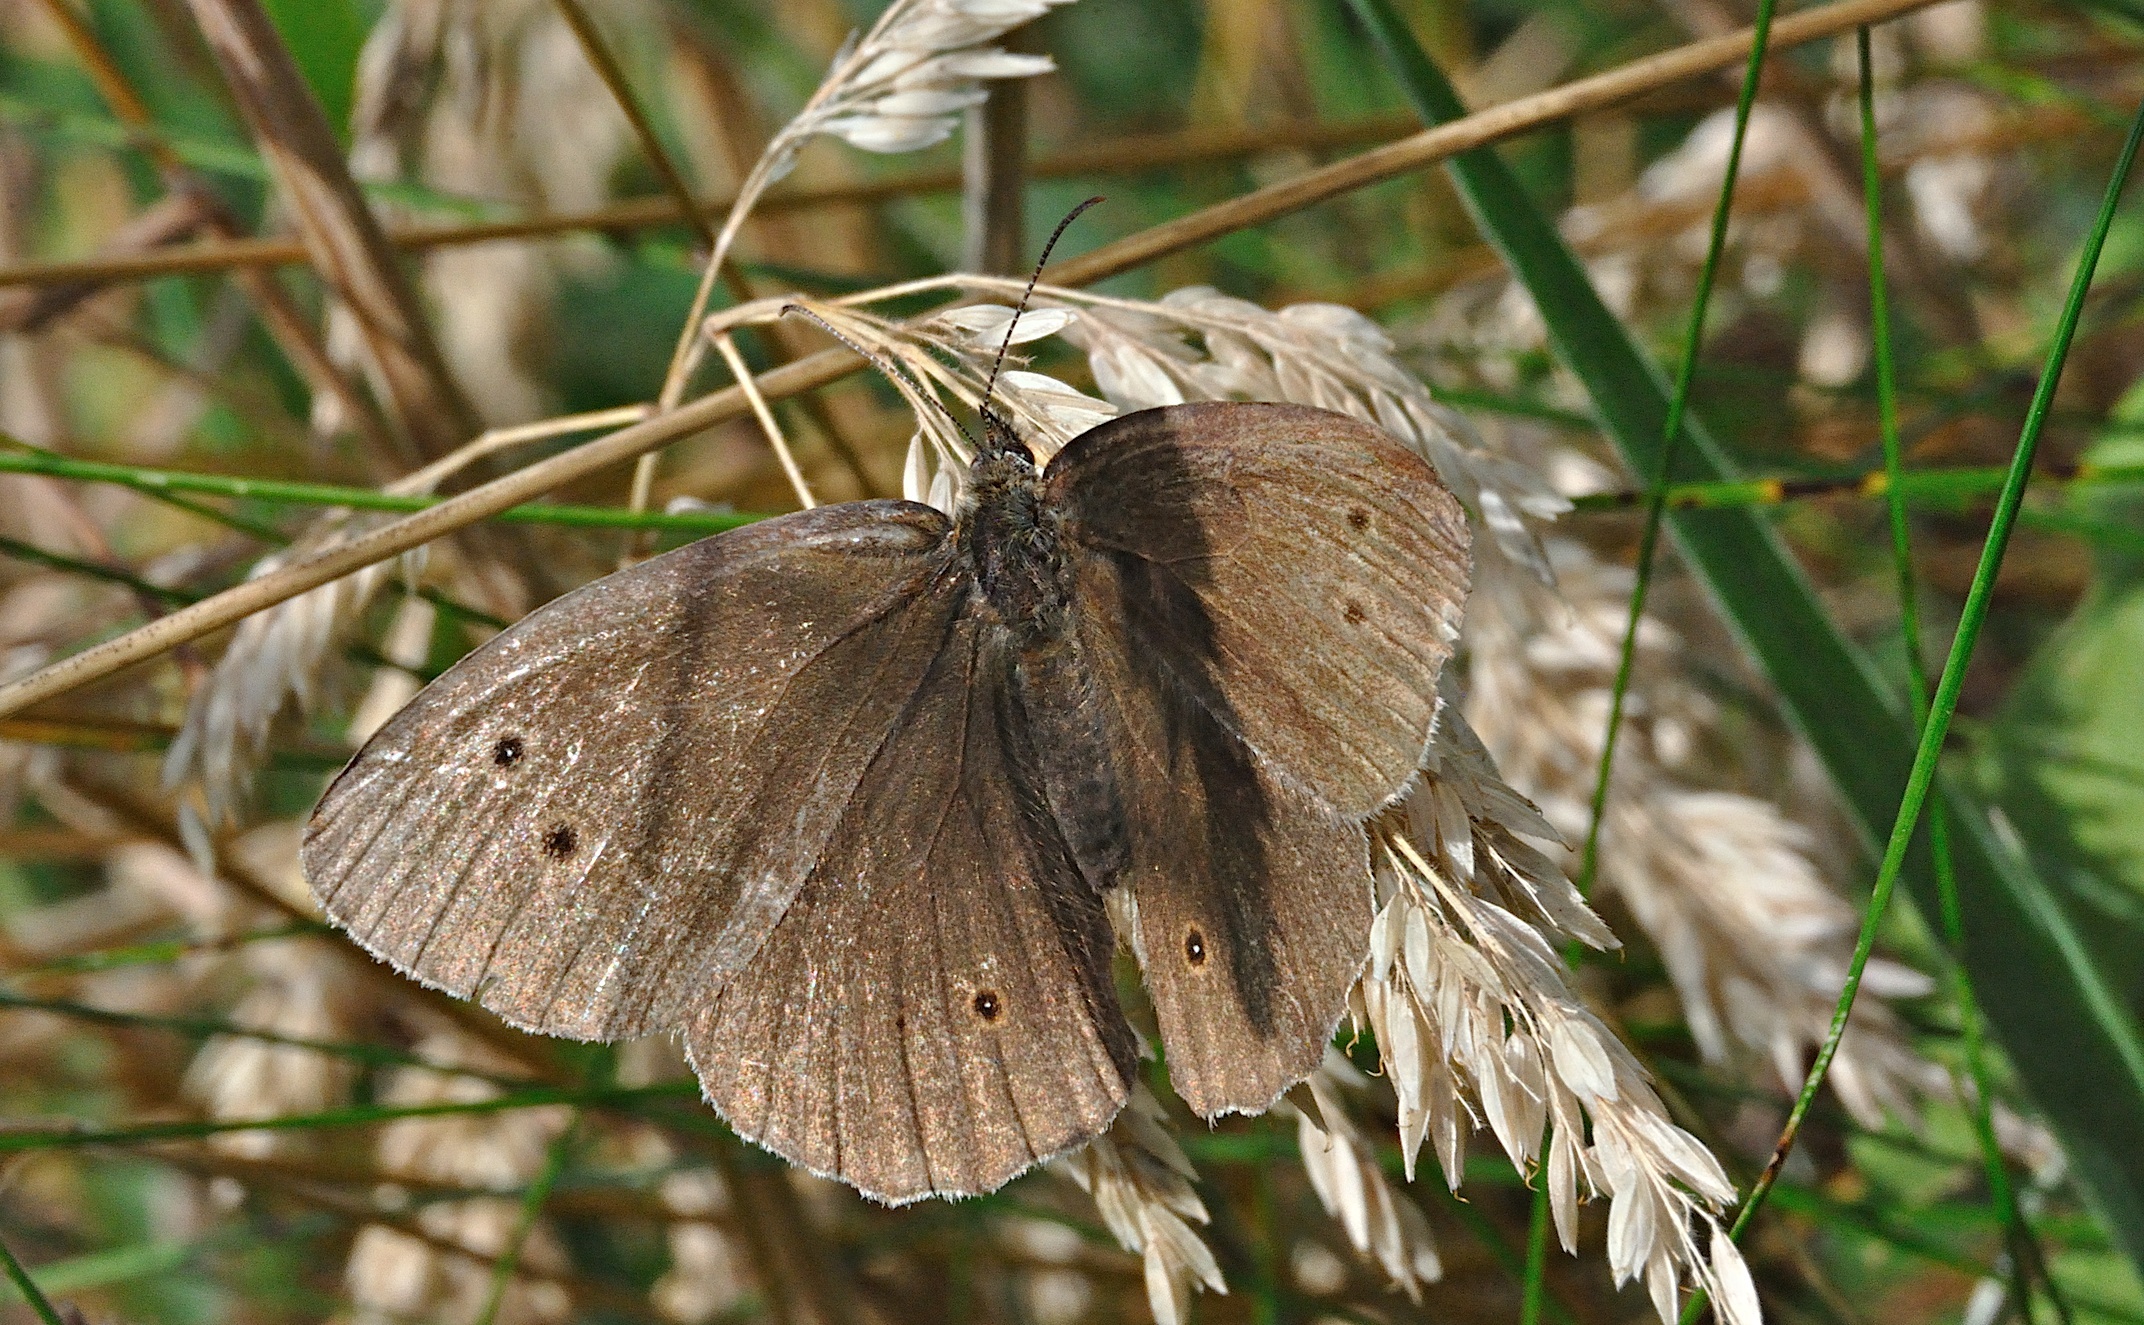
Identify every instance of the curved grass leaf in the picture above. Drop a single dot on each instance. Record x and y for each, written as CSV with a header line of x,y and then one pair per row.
x,y
2076,1048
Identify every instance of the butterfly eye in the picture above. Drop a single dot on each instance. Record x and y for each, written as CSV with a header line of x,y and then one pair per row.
x,y
1195,948
507,752
986,1005
560,842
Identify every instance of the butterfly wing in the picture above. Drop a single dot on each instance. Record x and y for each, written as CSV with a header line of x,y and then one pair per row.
x,y
606,808
934,1013
770,786
1297,572
1266,593
1252,898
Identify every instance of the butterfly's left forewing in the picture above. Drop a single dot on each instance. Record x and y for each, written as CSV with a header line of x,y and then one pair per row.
x,y
608,806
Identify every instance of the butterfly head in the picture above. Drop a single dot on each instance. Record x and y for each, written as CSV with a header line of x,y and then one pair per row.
x,y
999,440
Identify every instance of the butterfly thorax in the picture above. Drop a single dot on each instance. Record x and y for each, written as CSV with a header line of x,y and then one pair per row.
x,y
1013,543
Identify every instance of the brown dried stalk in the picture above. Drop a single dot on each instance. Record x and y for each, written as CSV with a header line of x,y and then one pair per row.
x,y
1423,149
993,167
172,217
1128,155
1615,86
651,147
341,234
289,328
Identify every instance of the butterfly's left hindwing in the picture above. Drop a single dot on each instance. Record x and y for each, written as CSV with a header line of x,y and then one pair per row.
x,y
935,1013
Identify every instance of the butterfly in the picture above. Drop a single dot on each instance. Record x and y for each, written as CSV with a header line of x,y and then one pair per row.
x,y
847,797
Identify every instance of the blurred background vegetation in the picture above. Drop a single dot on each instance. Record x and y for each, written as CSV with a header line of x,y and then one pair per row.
x,y
138,331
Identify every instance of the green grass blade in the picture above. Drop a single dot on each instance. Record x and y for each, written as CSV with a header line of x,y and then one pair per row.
x,y
1920,780
20,1277
532,1201
1656,504
18,1140
2025,1257
2075,1046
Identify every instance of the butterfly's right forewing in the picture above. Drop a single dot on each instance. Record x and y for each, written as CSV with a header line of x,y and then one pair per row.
x,y
602,813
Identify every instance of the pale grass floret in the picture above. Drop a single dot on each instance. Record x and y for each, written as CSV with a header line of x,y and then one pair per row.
x,y
1382,1224
1463,993
275,657
1723,883
898,87
1141,1182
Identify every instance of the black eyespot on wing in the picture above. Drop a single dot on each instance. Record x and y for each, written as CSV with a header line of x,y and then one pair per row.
x,y
987,1006
1195,947
1353,612
507,752
561,841
1358,518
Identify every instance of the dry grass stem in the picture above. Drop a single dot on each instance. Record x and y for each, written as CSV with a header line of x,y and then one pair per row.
x,y
727,348
1131,154
342,236
510,490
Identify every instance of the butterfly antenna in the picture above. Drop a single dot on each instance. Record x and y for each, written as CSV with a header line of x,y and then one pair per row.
x,y
884,366
990,387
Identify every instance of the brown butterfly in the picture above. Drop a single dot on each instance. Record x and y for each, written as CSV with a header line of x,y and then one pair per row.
x,y
842,793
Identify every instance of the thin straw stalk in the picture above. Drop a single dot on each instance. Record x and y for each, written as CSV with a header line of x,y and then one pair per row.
x,y
486,500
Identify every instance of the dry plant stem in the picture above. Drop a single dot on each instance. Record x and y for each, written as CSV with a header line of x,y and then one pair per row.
x,y
651,147
994,164
727,348
494,440
1477,130
290,329
1143,152
1423,149
774,1236
691,210
342,236
171,218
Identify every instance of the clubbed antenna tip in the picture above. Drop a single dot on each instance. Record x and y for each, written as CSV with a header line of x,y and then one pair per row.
x,y
990,387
